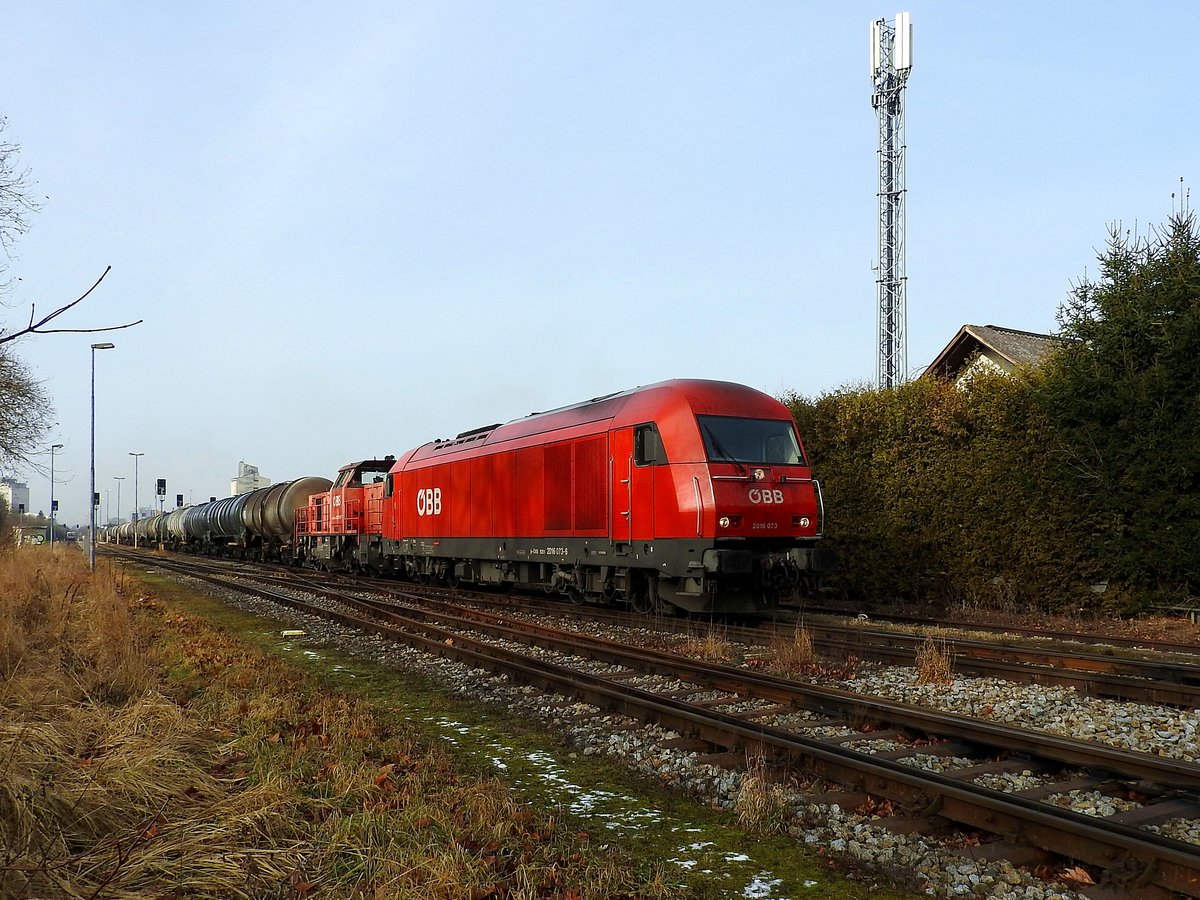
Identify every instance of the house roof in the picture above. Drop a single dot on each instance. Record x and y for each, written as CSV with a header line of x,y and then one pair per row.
x,y
1006,346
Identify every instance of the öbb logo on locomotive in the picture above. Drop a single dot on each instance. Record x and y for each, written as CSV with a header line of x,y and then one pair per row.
x,y
686,494
769,496
429,502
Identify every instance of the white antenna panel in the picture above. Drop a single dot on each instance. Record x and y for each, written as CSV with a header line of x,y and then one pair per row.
x,y
904,41
874,49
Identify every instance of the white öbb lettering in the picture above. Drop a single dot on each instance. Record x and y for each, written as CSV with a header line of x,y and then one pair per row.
x,y
429,502
766,496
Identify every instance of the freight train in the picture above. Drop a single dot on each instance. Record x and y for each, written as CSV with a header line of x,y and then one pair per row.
x,y
684,494
257,525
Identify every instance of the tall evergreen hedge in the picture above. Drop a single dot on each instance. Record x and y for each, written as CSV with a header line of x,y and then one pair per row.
x,y
1070,487
938,494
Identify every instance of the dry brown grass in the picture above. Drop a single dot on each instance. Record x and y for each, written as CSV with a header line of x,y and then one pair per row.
x,y
58,619
711,645
935,661
233,775
96,766
761,803
794,653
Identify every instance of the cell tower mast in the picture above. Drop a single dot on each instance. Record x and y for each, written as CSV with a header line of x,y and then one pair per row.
x,y
891,61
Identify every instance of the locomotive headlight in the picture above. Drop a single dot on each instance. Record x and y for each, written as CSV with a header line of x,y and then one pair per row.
x,y
723,521
758,474
804,521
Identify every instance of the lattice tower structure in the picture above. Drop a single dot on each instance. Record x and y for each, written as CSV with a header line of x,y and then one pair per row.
x,y
891,63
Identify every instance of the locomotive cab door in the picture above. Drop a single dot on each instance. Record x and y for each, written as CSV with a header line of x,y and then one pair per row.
x,y
635,454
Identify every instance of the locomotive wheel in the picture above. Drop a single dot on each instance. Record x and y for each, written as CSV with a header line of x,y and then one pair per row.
x,y
641,602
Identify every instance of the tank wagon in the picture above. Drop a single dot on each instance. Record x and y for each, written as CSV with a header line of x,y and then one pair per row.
x,y
688,493
149,529
255,525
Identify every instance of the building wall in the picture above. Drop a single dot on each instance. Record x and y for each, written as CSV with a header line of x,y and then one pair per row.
x,y
981,362
248,479
15,494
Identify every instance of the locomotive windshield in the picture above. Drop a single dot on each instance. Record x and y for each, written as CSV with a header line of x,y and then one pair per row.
x,y
363,473
770,442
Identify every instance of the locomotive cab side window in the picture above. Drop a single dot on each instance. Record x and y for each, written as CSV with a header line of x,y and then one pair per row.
x,y
648,449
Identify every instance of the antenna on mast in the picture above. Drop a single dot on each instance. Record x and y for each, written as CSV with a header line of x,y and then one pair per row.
x,y
891,62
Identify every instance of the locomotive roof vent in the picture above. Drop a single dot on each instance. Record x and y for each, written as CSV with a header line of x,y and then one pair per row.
x,y
475,431
475,434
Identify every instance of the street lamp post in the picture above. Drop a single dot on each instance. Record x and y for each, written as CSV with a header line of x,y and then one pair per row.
x,y
118,479
53,447
135,493
92,493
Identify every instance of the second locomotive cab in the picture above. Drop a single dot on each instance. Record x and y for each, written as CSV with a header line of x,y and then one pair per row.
x,y
687,493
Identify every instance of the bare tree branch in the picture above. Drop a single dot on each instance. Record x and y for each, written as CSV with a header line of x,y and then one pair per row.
x,y
35,325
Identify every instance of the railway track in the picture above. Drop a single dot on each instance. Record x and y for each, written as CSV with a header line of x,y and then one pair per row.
x,y
733,713
1171,679
1158,646
1101,670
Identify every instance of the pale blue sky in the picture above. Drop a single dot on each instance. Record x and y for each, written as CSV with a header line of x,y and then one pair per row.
x,y
355,227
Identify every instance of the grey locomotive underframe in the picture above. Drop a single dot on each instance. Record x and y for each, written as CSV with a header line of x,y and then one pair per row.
x,y
697,576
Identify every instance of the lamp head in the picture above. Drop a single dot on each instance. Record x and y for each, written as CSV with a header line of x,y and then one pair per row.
x,y
104,346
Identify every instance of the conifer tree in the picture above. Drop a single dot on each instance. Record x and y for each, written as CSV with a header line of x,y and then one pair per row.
x,y
1126,394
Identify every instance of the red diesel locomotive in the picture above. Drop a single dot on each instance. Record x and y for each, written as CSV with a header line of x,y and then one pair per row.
x,y
688,493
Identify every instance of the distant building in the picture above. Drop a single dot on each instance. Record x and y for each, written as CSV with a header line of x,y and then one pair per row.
x,y
247,479
15,494
990,348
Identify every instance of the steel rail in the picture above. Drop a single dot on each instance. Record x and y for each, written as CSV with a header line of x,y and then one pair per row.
x,y
1166,682
1133,643
1152,769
